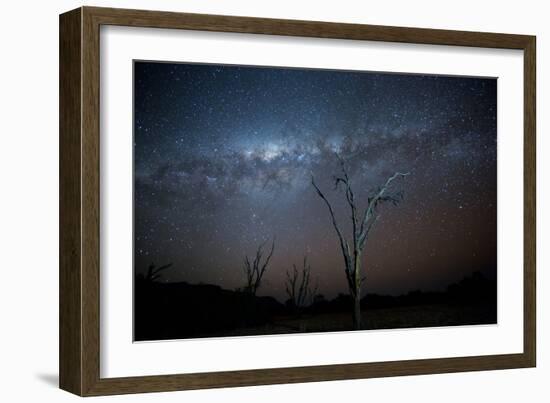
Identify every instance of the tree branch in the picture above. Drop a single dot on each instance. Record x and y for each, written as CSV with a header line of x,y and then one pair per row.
x,y
350,197
268,259
153,273
373,203
343,243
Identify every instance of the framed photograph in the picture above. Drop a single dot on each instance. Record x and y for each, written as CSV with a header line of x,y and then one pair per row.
x,y
249,201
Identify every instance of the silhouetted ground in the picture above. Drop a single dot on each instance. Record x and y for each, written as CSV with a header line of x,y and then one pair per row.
x,y
181,310
377,318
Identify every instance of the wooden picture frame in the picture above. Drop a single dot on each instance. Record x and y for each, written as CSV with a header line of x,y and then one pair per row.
x,y
79,346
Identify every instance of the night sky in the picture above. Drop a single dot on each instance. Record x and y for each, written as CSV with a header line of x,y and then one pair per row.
x,y
223,158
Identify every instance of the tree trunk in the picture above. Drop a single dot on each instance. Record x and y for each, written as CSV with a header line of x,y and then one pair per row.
x,y
357,311
357,293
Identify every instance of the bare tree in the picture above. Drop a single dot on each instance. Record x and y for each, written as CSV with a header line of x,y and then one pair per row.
x,y
255,270
154,272
298,287
362,224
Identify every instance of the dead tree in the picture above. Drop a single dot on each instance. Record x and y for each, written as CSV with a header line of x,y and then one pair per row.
x,y
154,273
298,287
255,270
362,224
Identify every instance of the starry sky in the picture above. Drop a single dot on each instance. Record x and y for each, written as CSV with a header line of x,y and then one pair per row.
x,y
223,158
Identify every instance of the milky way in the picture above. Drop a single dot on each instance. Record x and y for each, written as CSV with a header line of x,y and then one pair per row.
x,y
224,156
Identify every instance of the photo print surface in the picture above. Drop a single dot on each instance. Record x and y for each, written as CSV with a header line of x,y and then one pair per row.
x,y
288,200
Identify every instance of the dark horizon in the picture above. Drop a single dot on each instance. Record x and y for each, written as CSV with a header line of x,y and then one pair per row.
x,y
223,157
444,289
